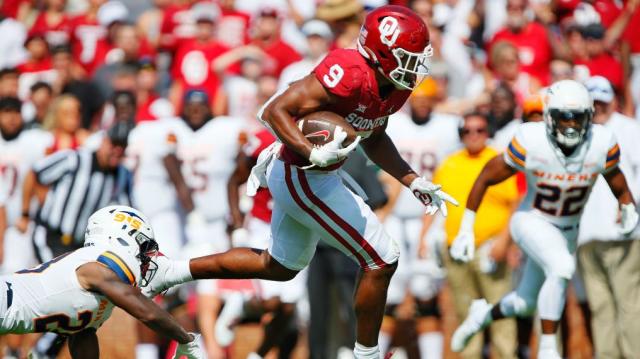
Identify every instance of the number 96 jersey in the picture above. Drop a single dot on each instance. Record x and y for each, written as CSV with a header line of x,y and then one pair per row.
x,y
558,185
49,298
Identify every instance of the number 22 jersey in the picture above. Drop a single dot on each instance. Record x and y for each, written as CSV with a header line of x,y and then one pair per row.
x,y
557,185
49,298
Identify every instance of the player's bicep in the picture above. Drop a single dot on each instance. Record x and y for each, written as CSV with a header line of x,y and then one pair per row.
x,y
98,278
496,171
302,97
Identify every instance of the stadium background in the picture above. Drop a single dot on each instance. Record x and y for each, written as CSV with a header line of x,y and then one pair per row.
x,y
147,49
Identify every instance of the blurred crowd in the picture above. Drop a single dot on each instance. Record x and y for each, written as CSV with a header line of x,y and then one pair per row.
x,y
168,91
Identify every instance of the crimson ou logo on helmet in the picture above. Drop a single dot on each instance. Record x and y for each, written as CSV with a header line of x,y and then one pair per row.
x,y
389,30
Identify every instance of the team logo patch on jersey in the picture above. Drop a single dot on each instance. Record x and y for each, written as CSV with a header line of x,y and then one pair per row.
x,y
118,266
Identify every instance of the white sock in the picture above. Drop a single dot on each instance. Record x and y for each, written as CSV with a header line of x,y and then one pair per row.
x,y
431,345
384,341
551,298
548,341
147,351
179,273
254,355
362,352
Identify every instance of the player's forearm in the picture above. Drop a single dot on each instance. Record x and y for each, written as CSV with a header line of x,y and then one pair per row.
x,y
162,322
28,190
233,198
283,124
384,153
618,184
172,165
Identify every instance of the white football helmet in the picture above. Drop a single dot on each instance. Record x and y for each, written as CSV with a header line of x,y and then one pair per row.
x,y
127,230
568,111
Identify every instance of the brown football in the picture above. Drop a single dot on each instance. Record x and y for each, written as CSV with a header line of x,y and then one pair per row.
x,y
318,127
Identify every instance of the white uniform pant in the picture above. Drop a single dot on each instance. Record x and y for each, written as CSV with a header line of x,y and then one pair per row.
x,y
550,253
288,292
309,205
421,277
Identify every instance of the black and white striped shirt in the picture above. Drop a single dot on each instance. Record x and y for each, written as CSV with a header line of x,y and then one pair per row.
x,y
77,188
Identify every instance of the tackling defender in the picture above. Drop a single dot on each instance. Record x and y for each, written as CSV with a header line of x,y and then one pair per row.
x,y
364,86
562,159
75,293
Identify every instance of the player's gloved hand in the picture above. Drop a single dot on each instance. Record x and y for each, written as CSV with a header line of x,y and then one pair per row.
x,y
332,152
463,246
191,350
431,196
628,218
168,274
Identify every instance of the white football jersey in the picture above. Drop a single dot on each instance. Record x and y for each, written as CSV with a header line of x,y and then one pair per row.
x,y
49,298
423,147
558,186
149,143
208,158
16,159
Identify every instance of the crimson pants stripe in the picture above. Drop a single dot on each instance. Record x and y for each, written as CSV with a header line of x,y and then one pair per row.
x,y
317,218
353,233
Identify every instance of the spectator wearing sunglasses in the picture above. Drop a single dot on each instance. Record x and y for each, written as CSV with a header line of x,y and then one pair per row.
x,y
488,273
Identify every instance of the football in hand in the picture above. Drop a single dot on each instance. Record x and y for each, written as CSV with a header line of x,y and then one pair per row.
x,y
319,128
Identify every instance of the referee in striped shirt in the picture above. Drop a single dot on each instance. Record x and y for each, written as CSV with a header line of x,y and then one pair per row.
x,y
76,183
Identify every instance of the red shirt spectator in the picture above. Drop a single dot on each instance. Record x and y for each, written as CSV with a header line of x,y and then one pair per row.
x,y
11,8
631,33
530,38
53,23
179,22
87,40
233,27
192,67
37,68
267,38
599,61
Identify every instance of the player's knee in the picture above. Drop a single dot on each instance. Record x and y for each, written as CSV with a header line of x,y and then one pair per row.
x,y
563,269
428,308
277,271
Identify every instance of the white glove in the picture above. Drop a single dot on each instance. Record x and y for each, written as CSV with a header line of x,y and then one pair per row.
x,y
332,152
191,350
464,245
628,218
431,196
195,219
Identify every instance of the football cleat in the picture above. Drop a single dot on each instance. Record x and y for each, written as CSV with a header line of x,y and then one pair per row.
x,y
475,322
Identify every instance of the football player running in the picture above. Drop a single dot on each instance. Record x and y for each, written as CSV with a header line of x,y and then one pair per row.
x,y
561,158
74,294
364,86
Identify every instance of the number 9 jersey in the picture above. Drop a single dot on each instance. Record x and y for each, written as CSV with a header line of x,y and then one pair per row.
x,y
557,185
